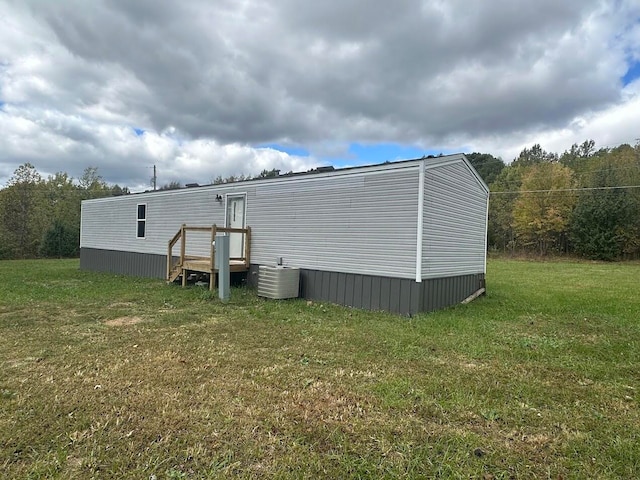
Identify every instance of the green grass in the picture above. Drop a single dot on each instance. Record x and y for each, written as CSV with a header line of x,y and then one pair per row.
x,y
109,377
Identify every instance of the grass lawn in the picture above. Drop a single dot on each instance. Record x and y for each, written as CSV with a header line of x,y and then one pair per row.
x,y
110,377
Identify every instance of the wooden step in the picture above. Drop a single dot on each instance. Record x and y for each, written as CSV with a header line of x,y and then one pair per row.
x,y
175,273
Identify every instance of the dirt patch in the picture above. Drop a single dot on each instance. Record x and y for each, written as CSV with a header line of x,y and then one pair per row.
x,y
122,321
121,305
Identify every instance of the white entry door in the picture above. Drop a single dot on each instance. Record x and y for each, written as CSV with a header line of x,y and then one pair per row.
x,y
235,219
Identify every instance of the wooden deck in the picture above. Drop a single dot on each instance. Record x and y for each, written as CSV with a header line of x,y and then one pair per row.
x,y
183,264
203,264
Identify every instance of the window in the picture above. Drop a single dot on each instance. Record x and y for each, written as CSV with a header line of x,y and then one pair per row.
x,y
142,220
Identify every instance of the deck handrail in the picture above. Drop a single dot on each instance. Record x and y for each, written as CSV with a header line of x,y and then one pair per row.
x,y
175,238
172,242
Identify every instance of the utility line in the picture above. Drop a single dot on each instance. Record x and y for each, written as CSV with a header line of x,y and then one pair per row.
x,y
576,173
618,187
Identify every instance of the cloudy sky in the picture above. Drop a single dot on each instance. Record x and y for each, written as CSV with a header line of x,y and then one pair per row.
x,y
205,88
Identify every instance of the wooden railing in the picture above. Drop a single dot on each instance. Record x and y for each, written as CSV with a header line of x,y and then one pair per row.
x,y
183,263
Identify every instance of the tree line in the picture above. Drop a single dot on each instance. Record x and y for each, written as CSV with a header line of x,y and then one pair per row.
x,y
585,202
41,217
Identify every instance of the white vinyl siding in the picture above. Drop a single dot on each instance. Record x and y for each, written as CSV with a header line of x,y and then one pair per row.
x,y
362,220
455,206
106,222
353,222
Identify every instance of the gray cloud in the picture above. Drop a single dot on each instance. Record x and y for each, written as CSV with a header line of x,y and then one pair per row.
x,y
79,75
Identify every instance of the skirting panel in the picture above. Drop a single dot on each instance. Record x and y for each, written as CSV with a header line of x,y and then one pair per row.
x,y
397,295
124,263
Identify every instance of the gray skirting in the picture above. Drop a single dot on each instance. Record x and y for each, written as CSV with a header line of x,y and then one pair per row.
x,y
124,263
397,295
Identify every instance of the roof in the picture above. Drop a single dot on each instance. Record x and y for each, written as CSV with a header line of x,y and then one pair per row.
x,y
326,171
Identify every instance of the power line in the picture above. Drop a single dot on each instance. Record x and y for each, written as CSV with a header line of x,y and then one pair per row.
x,y
577,175
618,187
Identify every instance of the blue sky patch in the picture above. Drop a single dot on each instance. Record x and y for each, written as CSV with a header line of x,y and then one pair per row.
x,y
632,73
2,104
138,131
382,152
363,154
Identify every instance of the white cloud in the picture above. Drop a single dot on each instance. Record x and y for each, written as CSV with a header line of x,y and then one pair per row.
x,y
609,127
209,81
54,142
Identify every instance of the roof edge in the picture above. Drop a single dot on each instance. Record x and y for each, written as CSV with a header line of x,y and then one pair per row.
x,y
388,165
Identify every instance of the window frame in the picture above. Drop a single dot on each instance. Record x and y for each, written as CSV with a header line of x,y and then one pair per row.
x,y
141,220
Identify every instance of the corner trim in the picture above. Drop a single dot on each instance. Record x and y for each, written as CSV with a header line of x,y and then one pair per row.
x,y
486,233
419,235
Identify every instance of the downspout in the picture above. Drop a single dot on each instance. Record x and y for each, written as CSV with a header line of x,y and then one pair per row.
x,y
420,222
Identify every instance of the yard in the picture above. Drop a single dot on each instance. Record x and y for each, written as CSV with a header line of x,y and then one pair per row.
x,y
112,377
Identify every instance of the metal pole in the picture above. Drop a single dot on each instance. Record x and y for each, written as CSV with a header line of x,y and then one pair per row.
x,y
222,263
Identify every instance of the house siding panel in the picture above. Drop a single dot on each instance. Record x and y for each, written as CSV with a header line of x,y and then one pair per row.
x,y
327,223
367,284
123,263
340,226
110,223
443,292
454,227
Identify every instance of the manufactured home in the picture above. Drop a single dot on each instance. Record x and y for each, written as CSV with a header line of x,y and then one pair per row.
x,y
406,236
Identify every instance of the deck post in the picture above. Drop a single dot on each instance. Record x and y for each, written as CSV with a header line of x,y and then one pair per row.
x,y
247,248
212,274
168,260
183,247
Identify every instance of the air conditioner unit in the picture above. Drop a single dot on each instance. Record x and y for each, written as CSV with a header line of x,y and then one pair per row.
x,y
278,282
